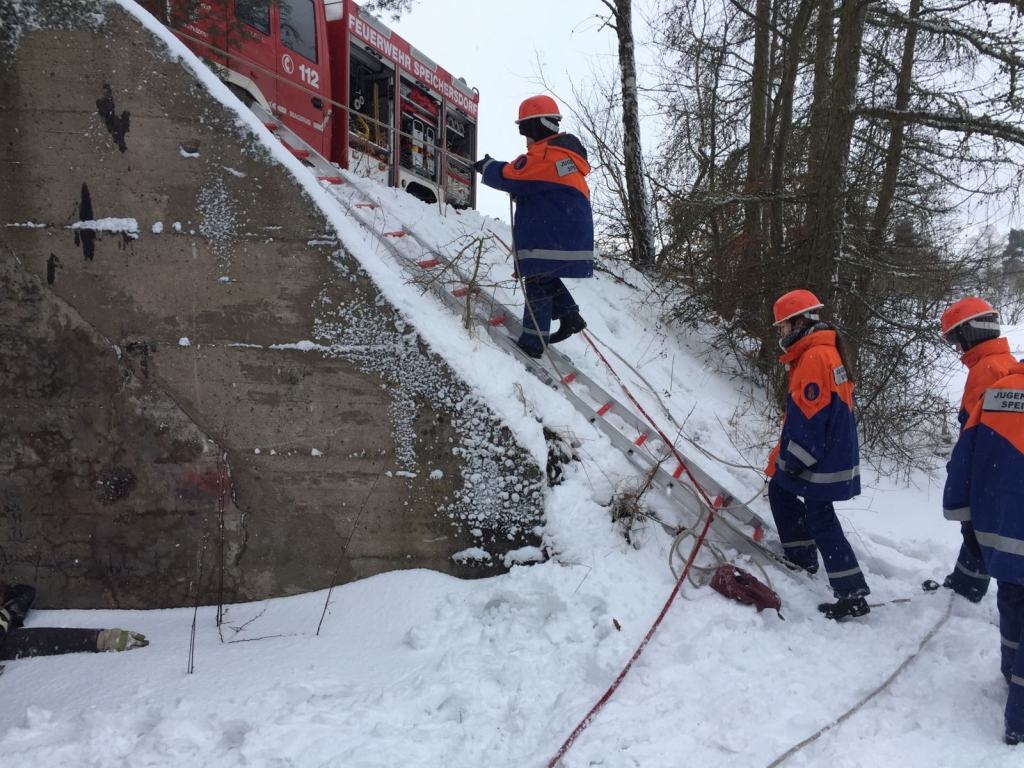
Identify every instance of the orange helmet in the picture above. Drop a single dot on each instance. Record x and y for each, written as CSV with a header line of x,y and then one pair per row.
x,y
965,310
798,302
538,106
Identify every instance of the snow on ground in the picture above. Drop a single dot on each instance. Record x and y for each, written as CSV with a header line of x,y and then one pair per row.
x,y
418,669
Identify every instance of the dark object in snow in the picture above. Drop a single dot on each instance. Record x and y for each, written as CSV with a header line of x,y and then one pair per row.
x,y
972,586
744,587
845,608
18,642
560,452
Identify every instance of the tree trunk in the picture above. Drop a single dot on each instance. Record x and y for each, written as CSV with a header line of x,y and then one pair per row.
x,y
638,212
825,226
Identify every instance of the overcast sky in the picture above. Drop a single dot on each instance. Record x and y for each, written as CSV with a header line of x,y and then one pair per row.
x,y
501,48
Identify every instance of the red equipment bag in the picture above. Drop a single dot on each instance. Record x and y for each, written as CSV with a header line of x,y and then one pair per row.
x,y
745,588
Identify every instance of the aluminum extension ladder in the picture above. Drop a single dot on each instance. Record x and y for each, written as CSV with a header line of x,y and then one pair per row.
x,y
735,524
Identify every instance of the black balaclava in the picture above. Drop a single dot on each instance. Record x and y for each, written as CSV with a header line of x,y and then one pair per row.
x,y
975,331
538,128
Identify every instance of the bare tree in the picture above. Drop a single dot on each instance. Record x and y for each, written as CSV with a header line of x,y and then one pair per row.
x,y
830,144
638,209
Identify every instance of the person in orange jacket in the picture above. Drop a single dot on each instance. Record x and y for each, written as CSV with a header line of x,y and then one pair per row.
x,y
971,325
553,228
817,459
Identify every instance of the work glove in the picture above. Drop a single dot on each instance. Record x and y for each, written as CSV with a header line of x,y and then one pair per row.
x,y
970,539
478,166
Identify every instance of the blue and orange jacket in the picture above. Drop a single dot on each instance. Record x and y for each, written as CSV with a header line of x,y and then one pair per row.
x,y
554,224
818,454
985,480
986,362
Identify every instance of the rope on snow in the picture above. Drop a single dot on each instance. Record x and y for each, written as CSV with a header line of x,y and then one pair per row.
x,y
856,707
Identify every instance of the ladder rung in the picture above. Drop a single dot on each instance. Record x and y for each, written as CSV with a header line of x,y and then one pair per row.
x,y
640,440
604,408
331,179
396,233
300,153
371,206
569,378
497,320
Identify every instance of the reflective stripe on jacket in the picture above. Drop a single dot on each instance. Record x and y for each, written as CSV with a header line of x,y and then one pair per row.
x,y
818,455
985,480
554,224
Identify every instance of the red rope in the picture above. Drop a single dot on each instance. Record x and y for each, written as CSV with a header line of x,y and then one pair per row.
x,y
662,435
585,722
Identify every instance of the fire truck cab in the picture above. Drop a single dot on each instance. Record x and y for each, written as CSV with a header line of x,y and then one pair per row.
x,y
350,87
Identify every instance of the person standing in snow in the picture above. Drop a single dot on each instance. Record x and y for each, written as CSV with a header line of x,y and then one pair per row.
x,y
816,461
985,493
17,642
553,227
972,326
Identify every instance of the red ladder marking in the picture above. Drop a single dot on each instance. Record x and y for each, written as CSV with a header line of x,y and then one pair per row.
x,y
371,206
464,290
569,378
330,179
272,127
678,471
396,233
640,440
428,263
302,154
604,409
497,320
758,533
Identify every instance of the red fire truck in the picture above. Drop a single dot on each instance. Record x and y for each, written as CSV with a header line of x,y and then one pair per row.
x,y
350,87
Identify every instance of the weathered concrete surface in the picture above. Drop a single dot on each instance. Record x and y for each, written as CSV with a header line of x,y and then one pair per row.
x,y
300,434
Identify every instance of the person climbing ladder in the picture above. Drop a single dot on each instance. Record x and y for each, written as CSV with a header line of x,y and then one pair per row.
x,y
553,226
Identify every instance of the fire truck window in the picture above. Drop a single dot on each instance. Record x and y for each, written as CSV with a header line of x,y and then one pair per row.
x,y
298,27
255,13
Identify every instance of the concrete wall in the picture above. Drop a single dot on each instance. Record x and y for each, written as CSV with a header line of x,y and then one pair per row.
x,y
301,434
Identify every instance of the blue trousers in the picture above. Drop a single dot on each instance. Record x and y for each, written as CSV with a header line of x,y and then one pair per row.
x,y
547,299
810,526
1010,601
969,577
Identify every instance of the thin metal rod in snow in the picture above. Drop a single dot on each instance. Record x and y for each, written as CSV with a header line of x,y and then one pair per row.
x,y
344,549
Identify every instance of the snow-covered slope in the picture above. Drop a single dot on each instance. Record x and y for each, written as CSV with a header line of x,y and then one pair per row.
x,y
417,669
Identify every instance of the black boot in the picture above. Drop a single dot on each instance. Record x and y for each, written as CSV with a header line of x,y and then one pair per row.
x,y
845,608
570,324
535,352
17,603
